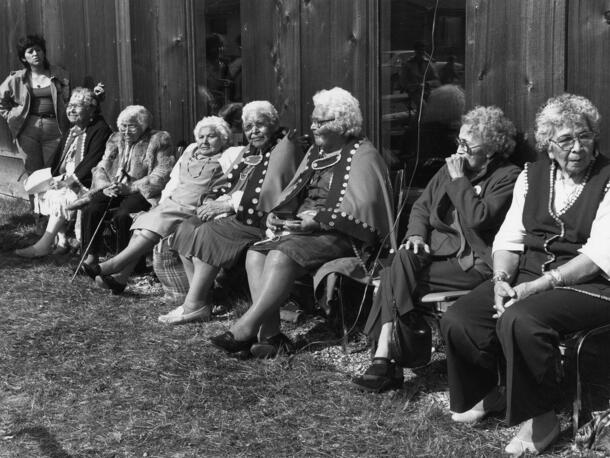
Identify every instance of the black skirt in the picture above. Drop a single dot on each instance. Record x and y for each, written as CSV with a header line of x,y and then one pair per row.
x,y
310,251
219,243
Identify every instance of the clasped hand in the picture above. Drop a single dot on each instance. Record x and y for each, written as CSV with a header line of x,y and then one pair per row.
x,y
116,190
305,223
506,295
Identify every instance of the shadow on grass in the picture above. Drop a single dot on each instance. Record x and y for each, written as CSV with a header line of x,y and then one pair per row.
x,y
46,441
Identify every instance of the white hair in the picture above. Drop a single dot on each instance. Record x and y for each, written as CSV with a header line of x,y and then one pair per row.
x,y
258,109
136,113
218,124
344,107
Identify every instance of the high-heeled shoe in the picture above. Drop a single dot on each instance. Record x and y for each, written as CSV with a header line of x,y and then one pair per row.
x,y
227,342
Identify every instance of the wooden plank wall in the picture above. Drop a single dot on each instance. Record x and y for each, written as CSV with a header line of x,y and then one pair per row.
x,y
588,66
271,57
293,48
89,39
515,56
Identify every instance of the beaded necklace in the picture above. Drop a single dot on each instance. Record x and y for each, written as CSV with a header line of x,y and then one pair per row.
x,y
574,195
72,144
198,157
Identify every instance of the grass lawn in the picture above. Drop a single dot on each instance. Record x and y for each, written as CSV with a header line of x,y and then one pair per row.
x,y
84,373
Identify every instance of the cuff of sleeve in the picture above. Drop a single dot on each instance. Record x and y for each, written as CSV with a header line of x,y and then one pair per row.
x,y
599,258
508,246
236,199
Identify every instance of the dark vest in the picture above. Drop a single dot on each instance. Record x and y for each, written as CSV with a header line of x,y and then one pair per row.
x,y
553,240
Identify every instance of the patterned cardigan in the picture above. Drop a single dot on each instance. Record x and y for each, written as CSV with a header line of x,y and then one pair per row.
x,y
147,169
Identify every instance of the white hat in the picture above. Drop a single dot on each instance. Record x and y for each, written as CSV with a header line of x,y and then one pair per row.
x,y
38,181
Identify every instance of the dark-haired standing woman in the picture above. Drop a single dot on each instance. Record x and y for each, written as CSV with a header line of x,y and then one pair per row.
x,y
32,101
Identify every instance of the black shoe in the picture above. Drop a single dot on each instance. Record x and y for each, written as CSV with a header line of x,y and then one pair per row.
x,y
272,346
227,342
380,377
108,282
91,271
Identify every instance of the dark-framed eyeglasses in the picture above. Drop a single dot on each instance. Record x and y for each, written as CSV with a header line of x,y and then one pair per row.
x,y
315,122
567,142
463,144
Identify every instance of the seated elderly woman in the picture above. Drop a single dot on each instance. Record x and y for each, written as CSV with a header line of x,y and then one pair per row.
x,y
448,240
333,206
224,228
133,171
551,262
193,180
79,150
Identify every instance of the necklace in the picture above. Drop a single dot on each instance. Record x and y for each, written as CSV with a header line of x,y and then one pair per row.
x,y
201,158
571,198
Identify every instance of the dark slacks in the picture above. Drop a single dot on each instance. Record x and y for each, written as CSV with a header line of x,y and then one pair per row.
x,y
526,336
123,206
411,276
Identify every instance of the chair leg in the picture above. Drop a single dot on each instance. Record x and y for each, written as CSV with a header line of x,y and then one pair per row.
x,y
577,403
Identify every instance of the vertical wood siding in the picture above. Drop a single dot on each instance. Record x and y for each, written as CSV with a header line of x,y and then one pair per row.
x,y
588,63
515,56
271,57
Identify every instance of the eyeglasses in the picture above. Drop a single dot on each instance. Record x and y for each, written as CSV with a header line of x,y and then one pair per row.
x,y
567,142
320,122
75,105
129,127
251,125
461,143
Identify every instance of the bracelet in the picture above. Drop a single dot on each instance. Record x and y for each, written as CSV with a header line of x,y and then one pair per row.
x,y
554,277
498,276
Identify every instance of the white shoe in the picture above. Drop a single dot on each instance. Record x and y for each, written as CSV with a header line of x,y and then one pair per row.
x,y
32,252
177,316
494,402
519,447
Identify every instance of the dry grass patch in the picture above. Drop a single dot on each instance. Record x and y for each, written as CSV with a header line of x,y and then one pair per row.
x,y
84,373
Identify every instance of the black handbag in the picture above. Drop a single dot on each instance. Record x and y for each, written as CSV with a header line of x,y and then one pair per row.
x,y
411,339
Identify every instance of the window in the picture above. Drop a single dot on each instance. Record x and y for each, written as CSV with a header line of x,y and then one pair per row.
x,y
223,53
422,82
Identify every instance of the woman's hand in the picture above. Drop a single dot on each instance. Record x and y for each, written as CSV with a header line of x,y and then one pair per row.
x,y
415,243
57,182
274,223
455,166
505,295
212,208
307,224
116,190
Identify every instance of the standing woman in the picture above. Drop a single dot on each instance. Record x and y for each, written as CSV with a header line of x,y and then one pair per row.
x,y
32,101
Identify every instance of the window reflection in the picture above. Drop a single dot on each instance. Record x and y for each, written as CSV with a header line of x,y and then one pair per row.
x,y
223,54
422,83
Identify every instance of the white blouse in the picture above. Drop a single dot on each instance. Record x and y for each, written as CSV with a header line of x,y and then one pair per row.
x,y
512,232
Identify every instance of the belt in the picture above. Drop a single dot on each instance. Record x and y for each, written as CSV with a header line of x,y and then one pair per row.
x,y
44,115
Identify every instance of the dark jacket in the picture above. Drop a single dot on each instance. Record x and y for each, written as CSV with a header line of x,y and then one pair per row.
x,y
97,134
480,205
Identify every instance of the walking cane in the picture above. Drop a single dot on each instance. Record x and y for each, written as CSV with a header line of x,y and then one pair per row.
x,y
86,252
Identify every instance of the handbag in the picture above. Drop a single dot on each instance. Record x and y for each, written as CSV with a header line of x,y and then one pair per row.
x,y
411,339
170,272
